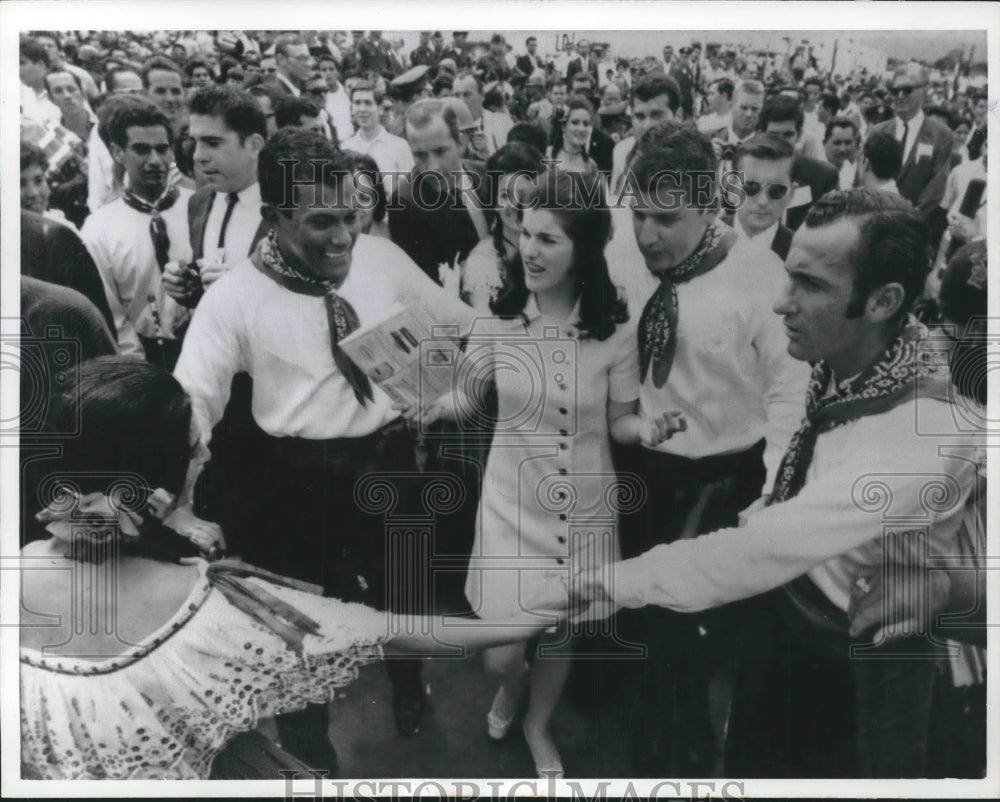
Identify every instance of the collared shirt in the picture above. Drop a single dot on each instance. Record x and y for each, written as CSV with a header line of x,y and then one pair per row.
x,y
619,158
912,129
243,224
248,322
846,174
338,107
732,376
760,241
886,186
391,153
830,530
712,122
38,107
288,85
119,239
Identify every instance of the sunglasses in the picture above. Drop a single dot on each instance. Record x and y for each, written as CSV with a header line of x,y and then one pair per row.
x,y
905,91
774,191
316,91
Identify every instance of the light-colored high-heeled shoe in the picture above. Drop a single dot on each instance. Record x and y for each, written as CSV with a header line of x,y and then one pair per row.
x,y
497,721
548,762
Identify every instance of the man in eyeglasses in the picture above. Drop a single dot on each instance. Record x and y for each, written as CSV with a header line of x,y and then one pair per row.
x,y
927,143
294,64
765,165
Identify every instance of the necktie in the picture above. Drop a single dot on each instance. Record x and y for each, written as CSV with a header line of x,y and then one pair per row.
x,y
231,200
157,225
658,322
906,133
341,317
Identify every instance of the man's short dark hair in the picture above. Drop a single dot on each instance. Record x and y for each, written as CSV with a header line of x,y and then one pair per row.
x,y
530,39
49,35
32,50
32,155
724,87
529,134
311,157
675,148
235,107
111,77
781,109
58,71
840,122
265,90
291,110
884,154
441,83
158,63
423,112
894,246
362,86
765,147
830,102
136,116
812,82
655,85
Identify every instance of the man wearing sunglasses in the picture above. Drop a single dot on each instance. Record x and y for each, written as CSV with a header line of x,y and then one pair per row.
x,y
765,165
927,143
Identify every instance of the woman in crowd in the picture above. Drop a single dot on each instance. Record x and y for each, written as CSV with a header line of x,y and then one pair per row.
x,y
571,137
510,171
157,682
371,197
549,487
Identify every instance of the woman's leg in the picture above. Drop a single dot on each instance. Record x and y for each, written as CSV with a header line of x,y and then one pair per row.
x,y
548,678
506,663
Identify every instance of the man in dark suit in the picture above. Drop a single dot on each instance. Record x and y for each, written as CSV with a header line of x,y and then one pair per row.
x,y
291,55
782,117
927,143
229,130
530,62
433,232
765,166
583,63
53,252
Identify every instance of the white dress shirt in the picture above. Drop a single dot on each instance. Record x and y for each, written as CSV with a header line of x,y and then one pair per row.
x,y
846,174
338,107
119,240
101,184
243,224
38,107
619,158
753,244
912,129
732,376
288,84
391,153
834,527
246,321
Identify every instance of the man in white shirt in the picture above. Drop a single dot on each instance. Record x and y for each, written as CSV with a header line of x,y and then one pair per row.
x,y
163,82
840,144
881,161
764,166
35,103
812,128
711,350
655,99
338,104
229,129
849,504
57,60
134,237
390,152
280,316
720,104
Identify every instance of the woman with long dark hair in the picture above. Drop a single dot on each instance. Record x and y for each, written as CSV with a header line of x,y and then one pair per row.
x,y
571,137
510,172
144,664
562,356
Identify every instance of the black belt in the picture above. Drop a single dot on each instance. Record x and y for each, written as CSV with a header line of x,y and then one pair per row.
x,y
703,469
298,450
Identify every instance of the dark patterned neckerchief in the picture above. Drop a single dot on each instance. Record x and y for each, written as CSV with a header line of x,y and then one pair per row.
x,y
658,323
157,226
905,370
340,314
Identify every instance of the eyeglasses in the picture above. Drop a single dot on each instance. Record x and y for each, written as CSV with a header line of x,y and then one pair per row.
x,y
905,91
774,191
318,91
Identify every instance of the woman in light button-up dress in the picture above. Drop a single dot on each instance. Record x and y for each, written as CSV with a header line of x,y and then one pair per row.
x,y
563,356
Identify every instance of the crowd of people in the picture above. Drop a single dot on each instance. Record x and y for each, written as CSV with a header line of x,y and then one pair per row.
x,y
673,412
